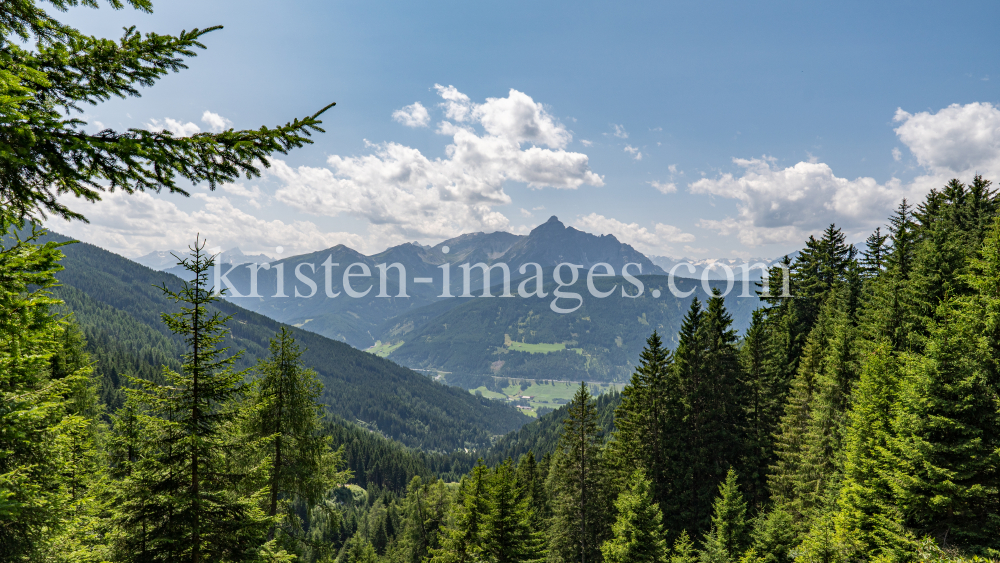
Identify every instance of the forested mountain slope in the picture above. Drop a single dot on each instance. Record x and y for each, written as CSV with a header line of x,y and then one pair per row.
x,y
117,305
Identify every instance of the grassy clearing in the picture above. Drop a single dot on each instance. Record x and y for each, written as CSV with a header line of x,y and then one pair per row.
x,y
544,395
382,350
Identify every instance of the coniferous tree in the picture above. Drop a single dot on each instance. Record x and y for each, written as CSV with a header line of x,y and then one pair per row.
x,y
873,256
579,486
683,550
773,536
638,530
45,151
867,521
283,409
531,480
947,445
197,511
642,437
766,389
729,535
709,437
44,425
461,535
507,534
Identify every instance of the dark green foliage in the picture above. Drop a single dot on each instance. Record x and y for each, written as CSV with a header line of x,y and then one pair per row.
x,y
46,424
283,412
579,485
45,153
947,449
642,423
707,430
195,511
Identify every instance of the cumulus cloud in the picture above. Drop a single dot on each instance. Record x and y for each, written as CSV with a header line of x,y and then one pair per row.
x,y
636,154
586,143
413,115
177,128
783,204
136,224
619,131
897,154
406,195
955,140
787,204
216,123
658,240
664,187
253,195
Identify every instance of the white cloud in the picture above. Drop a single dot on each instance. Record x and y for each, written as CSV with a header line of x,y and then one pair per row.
x,y
405,195
526,213
658,240
413,115
673,169
136,224
586,143
897,154
619,131
634,152
787,204
177,128
516,118
216,123
253,195
956,140
664,187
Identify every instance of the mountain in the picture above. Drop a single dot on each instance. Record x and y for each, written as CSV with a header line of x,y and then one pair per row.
x,y
715,266
395,303
471,340
357,321
116,303
166,260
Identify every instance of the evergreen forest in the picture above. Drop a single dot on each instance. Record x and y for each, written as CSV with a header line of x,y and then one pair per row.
x,y
857,419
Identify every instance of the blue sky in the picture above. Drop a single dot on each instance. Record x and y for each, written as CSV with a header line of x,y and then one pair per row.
x,y
836,110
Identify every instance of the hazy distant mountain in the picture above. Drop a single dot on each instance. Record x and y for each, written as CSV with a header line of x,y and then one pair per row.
x,y
166,260
470,337
358,320
713,265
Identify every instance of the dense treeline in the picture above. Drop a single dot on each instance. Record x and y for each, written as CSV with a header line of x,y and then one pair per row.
x,y
857,420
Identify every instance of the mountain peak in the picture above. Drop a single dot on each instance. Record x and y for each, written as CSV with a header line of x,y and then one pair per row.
x,y
553,219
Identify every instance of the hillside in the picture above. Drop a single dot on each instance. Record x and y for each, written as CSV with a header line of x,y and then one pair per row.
x,y
118,308
523,338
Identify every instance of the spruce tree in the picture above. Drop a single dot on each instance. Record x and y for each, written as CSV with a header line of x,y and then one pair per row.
x,y
947,445
638,530
867,522
579,486
709,437
45,152
873,256
642,436
46,434
729,535
461,542
507,534
285,415
197,510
